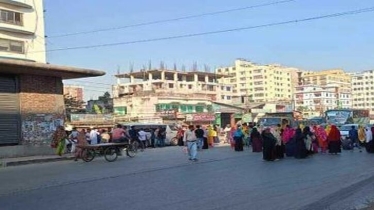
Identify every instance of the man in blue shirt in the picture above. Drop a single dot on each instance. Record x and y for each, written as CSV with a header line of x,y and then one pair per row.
x,y
353,136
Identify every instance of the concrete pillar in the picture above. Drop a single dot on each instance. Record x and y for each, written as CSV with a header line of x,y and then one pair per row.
x,y
175,76
132,79
195,77
150,76
162,75
206,78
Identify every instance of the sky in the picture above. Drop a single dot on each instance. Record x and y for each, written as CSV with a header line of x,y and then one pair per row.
x,y
342,42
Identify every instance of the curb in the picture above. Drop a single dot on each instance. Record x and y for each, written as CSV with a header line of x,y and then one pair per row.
x,y
32,161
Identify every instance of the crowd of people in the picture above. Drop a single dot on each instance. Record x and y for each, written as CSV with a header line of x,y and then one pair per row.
x,y
72,141
274,142
277,142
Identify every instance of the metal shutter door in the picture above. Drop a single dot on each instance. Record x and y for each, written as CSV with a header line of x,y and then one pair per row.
x,y
9,111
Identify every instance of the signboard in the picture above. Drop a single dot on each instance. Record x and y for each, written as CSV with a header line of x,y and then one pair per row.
x,y
168,113
260,110
189,117
200,117
91,118
204,117
247,118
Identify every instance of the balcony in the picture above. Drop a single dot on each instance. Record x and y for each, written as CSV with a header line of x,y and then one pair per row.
x,y
16,3
15,29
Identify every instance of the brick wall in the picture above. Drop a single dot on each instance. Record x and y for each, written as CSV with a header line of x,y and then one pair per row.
x,y
42,108
41,94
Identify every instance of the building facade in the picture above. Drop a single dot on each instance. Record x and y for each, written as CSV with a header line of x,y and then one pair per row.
x,y
314,100
363,90
259,83
31,91
327,77
73,91
22,30
169,95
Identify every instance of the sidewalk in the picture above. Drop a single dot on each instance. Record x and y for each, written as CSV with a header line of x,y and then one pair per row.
x,y
6,162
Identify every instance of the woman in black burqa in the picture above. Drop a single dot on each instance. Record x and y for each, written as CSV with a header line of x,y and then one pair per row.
x,y
268,145
300,149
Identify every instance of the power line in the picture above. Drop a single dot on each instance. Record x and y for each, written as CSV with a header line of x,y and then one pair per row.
x,y
173,19
353,12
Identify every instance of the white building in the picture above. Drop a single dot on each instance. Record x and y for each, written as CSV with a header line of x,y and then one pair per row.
x,y
260,83
150,95
22,30
315,99
363,90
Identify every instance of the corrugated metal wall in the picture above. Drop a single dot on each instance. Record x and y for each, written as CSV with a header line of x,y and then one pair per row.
x,y
10,125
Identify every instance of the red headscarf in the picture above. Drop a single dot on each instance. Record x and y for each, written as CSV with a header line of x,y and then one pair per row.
x,y
334,134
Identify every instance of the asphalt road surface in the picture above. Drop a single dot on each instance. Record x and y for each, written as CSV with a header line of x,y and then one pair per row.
x,y
165,179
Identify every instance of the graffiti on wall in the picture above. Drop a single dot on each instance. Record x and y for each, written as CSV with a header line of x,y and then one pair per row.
x,y
38,129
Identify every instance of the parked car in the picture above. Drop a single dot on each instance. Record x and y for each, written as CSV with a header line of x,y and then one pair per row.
x,y
171,131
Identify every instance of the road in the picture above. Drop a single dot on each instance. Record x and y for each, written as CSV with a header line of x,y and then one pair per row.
x,y
165,179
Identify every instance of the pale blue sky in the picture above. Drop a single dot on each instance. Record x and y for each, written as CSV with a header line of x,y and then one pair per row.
x,y
342,42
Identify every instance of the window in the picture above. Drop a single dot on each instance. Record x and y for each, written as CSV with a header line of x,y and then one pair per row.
x,y
11,17
228,88
171,85
7,45
121,110
228,97
199,109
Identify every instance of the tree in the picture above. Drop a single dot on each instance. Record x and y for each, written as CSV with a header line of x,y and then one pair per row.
x,y
107,102
73,106
302,108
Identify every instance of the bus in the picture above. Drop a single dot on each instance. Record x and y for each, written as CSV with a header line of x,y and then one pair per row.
x,y
282,118
347,116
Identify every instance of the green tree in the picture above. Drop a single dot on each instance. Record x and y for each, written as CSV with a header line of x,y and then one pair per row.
x,y
73,106
302,108
107,102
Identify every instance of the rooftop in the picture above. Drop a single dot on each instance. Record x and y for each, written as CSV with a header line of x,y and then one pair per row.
x,y
141,73
65,72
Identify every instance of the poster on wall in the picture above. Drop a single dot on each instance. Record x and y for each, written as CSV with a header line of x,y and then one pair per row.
x,y
38,129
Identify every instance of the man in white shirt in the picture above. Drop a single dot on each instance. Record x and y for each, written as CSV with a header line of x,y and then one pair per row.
x,y
191,141
142,135
93,136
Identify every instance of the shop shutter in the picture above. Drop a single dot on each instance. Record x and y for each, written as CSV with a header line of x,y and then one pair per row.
x,y
10,128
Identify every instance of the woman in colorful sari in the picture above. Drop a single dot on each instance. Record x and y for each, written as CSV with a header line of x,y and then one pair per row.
x,y
232,141
256,140
321,138
81,141
289,141
238,138
361,135
334,141
211,135
58,140
328,129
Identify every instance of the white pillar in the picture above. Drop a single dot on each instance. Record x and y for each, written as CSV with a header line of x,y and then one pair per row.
x,y
162,75
150,76
132,80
